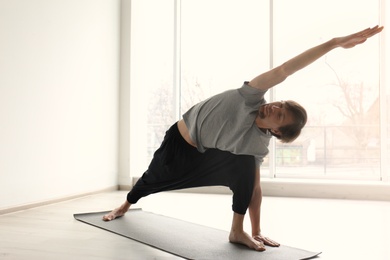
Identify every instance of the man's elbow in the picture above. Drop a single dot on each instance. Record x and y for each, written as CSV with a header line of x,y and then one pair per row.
x,y
283,71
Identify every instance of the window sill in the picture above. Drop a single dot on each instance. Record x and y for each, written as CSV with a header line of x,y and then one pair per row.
x,y
330,189
304,188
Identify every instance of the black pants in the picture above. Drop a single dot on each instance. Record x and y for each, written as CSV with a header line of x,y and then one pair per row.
x,y
178,165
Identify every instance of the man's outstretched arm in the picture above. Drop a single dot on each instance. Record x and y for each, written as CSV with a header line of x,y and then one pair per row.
x,y
277,75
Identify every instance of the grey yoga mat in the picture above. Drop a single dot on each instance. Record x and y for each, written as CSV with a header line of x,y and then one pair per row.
x,y
185,239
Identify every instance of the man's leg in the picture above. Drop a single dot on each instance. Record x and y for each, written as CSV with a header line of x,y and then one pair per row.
x,y
238,235
238,172
118,212
166,171
242,181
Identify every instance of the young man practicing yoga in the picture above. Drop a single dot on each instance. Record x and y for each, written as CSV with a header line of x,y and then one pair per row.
x,y
223,140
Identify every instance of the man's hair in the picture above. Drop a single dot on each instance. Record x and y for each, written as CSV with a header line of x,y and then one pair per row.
x,y
290,132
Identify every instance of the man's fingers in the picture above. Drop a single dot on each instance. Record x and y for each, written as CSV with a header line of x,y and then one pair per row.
x,y
257,238
267,241
367,33
374,31
270,242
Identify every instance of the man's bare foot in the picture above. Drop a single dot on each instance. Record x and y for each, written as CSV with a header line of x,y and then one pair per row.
x,y
118,212
241,237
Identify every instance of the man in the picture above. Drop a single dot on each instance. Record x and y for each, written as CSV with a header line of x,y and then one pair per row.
x,y
223,140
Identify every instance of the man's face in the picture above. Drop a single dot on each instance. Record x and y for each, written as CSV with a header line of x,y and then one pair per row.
x,y
275,115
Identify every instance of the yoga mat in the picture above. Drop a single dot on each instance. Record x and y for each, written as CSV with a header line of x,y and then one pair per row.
x,y
185,239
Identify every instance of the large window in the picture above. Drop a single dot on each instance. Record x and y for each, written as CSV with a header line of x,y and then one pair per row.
x,y
151,78
340,91
185,51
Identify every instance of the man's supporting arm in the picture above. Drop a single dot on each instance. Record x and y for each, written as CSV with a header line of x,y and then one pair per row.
x,y
254,212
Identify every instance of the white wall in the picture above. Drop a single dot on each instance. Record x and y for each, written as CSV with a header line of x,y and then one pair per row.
x,y
59,82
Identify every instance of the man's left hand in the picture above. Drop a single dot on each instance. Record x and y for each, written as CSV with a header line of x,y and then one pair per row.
x,y
267,241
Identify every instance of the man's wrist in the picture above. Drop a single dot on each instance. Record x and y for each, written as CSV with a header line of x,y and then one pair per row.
x,y
333,43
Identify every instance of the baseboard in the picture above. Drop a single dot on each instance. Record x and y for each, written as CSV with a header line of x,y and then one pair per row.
x,y
125,187
52,201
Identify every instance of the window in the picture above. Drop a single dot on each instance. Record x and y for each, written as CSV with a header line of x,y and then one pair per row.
x,y
151,78
340,91
185,51
219,49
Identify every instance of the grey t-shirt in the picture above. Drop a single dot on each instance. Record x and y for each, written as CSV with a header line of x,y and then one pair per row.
x,y
227,122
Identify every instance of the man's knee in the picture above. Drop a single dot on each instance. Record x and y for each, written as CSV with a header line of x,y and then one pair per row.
x,y
243,184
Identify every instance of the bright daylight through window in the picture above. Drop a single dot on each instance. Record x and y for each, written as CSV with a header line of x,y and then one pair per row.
x,y
185,51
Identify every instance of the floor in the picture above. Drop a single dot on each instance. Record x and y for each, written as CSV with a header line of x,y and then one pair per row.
x,y
340,229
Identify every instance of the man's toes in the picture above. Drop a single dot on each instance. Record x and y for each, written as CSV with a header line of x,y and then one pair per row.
x,y
108,218
259,246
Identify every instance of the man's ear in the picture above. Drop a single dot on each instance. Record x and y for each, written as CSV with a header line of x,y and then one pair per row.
x,y
276,132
